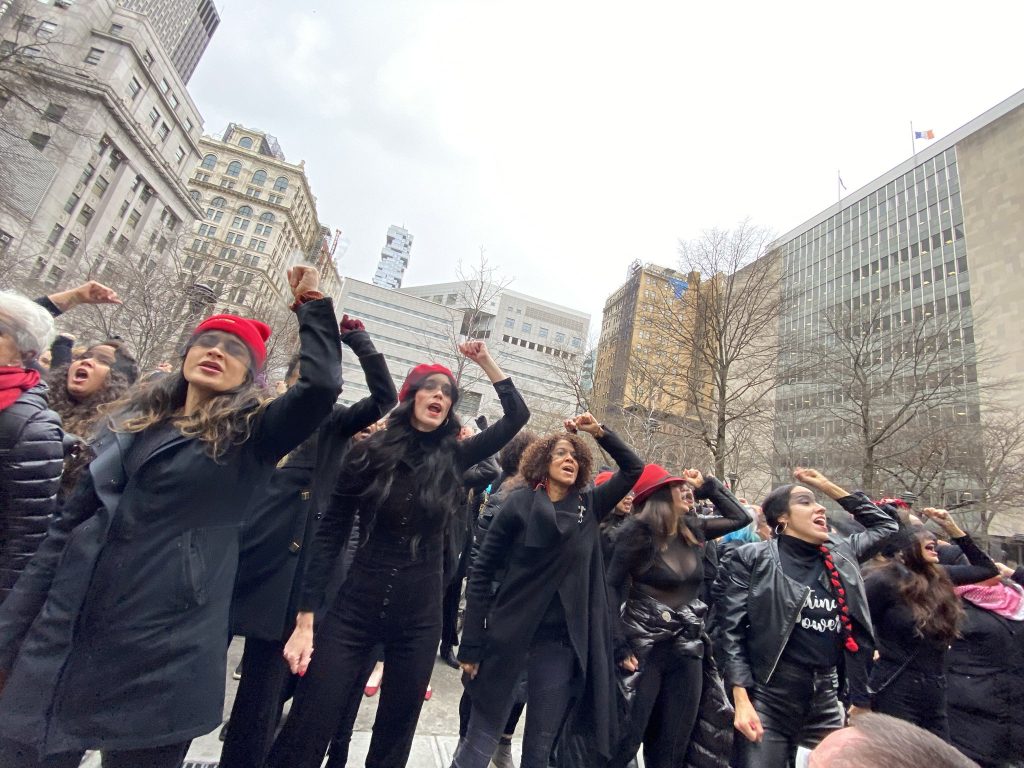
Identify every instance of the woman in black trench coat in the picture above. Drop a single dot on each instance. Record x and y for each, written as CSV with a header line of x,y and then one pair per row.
x,y
550,615
114,637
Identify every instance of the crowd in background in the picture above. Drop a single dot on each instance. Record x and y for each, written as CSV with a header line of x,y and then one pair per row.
x,y
146,518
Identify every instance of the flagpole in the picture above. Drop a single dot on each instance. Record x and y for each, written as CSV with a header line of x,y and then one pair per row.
x,y
913,140
839,185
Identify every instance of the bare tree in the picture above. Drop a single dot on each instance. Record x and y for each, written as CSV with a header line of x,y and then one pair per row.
x,y
725,316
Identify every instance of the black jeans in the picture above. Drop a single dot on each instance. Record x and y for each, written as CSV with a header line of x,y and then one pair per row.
x,y
550,672
664,709
14,755
450,612
466,708
916,697
384,600
798,707
265,685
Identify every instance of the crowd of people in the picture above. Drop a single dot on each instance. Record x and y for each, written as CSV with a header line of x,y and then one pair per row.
x,y
145,520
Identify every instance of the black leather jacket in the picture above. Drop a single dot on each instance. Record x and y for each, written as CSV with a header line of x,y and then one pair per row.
x,y
760,604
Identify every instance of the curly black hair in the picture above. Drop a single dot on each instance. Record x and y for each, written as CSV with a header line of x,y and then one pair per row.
x,y
537,458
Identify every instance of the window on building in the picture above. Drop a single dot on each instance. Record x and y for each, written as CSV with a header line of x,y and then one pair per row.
x,y
202,176
85,215
188,126
69,206
259,178
26,22
543,332
577,342
5,240
281,184
164,132
217,202
116,29
147,57
46,29
134,89
510,322
209,162
39,140
87,173
267,217
245,210
227,184
234,168
527,327
264,229
172,100
124,208
70,245
245,142
274,199
559,338
134,217
179,154
55,112
94,56
164,85
154,117
55,234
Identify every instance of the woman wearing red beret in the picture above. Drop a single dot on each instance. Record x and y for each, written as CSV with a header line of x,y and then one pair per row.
x,y
404,483
113,638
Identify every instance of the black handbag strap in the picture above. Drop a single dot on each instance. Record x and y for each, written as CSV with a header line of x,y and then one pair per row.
x,y
899,671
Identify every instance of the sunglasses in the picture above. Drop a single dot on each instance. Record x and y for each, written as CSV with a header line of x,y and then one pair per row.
x,y
433,385
230,344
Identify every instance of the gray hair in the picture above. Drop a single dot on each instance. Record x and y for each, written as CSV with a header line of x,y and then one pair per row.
x,y
31,324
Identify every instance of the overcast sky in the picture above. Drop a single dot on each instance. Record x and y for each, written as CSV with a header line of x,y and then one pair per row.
x,y
570,138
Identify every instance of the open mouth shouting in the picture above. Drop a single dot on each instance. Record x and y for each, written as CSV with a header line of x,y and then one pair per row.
x,y
435,409
820,522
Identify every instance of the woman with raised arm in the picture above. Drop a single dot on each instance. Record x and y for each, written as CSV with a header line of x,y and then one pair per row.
x,y
550,615
113,638
405,484
793,613
656,573
917,615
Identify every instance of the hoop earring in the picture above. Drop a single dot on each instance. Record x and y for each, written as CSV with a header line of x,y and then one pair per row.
x,y
780,528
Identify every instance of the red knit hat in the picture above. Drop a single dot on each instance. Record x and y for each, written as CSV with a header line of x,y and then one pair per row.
x,y
418,374
653,477
253,334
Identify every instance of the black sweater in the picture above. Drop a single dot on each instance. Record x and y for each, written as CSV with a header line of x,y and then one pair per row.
x,y
398,521
898,640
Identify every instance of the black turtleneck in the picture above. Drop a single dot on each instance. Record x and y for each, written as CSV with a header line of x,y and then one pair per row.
x,y
816,637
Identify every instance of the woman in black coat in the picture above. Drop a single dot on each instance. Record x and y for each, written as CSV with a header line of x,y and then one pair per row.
x,y
114,637
31,453
793,615
550,615
916,615
985,675
405,484
657,574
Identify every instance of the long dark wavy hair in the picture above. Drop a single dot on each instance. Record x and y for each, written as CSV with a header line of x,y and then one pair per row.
x,y
431,457
80,417
925,587
221,422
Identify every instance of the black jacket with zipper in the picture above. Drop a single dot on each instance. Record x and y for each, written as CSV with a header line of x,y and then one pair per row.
x,y
761,604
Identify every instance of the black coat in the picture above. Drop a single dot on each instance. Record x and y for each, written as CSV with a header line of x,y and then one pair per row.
x,y
284,518
985,679
541,560
760,604
31,460
115,635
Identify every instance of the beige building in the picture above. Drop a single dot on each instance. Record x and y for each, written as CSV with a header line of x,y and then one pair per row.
x,y
642,369
258,218
97,134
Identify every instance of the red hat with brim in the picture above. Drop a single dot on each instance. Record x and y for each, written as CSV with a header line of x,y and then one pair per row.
x,y
252,333
651,479
418,374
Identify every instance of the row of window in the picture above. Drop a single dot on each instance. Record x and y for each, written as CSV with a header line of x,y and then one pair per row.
x,y
542,332
259,178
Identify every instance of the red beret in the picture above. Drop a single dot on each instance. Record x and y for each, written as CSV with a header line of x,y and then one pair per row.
x,y
253,333
602,478
418,374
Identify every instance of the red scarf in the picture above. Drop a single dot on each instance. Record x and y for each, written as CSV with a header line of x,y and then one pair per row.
x,y
14,382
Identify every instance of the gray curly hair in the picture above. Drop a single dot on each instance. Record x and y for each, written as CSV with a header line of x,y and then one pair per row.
x,y
30,324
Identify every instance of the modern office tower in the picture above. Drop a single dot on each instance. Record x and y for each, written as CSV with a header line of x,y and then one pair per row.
x,y
394,258
184,27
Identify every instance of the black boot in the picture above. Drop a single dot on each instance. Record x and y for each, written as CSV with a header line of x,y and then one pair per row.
x,y
448,656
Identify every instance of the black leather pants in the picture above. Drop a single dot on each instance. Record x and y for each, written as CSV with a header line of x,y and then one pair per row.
x,y
798,708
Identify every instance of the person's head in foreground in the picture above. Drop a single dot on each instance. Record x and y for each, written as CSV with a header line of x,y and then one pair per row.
x,y
880,741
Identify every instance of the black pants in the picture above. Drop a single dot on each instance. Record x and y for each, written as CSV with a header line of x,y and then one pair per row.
x,y
913,696
664,709
799,707
13,755
466,708
265,685
450,612
337,753
550,672
380,602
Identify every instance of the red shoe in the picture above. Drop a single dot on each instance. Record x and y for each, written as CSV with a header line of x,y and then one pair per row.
x,y
371,690
428,694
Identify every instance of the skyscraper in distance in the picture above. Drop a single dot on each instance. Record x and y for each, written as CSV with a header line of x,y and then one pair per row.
x,y
394,258
185,28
